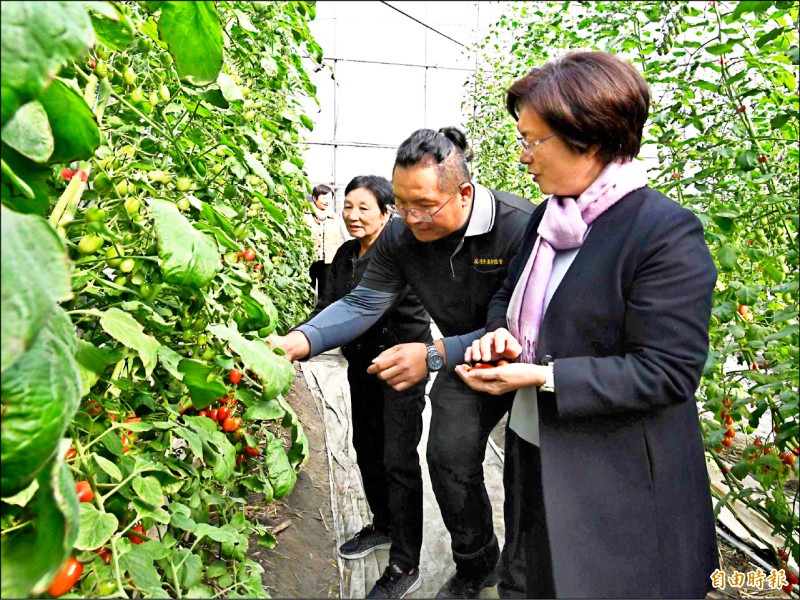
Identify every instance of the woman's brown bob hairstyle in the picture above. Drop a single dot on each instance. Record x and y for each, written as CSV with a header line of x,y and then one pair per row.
x,y
589,99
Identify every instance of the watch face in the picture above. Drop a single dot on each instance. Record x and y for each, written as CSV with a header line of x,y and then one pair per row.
x,y
435,361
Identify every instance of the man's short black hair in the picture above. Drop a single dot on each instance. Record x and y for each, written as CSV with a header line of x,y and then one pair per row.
x,y
379,186
321,189
445,149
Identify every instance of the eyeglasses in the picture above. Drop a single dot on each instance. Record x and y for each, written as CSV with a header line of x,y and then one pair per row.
x,y
526,146
421,214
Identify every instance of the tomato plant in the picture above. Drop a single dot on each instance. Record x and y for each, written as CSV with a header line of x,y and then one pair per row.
x,y
142,142
724,126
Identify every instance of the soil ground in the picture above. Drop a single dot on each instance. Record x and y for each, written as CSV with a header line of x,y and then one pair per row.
x,y
303,564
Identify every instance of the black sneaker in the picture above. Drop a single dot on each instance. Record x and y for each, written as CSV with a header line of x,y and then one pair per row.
x,y
364,542
461,588
395,583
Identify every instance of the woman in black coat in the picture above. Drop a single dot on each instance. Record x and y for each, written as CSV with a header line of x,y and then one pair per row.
x,y
606,310
387,425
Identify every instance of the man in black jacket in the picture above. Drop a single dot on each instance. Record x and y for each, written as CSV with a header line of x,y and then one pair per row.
x,y
451,245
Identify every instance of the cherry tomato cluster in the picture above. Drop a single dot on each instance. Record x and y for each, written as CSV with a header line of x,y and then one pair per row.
x,y
728,420
248,256
745,312
489,365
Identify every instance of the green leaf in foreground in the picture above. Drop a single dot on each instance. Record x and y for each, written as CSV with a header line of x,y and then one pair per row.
x,y
127,330
29,133
276,373
73,123
41,392
32,282
190,257
96,527
193,32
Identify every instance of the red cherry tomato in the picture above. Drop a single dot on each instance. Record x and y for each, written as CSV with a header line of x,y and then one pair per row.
x,y
71,453
135,539
213,414
66,578
202,413
249,254
104,554
223,413
252,451
235,376
85,492
726,441
133,419
502,363
231,424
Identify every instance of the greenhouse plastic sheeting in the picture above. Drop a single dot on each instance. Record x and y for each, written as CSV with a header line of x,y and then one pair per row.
x,y
326,376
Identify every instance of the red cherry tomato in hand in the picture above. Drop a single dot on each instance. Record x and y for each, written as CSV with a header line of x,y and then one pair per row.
x,y
85,492
66,578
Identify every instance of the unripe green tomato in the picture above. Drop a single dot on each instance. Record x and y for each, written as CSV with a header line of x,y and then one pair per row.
x,y
200,325
127,239
127,265
101,70
138,218
121,280
111,257
144,45
106,588
183,184
263,332
253,180
186,322
249,115
146,107
101,52
163,91
128,76
137,278
252,212
128,150
248,104
146,290
187,335
183,204
132,205
202,339
121,187
166,59
208,353
231,257
153,98
102,184
90,244
137,95
217,167
95,214
241,231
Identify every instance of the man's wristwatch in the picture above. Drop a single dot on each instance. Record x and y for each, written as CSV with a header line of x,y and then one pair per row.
x,y
434,360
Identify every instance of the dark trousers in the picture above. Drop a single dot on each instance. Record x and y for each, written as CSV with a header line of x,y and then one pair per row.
x,y
461,421
387,427
318,272
526,568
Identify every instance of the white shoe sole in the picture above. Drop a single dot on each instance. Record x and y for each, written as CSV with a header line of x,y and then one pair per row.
x,y
366,552
414,587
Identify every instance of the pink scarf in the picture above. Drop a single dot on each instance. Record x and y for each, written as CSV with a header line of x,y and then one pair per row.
x,y
563,226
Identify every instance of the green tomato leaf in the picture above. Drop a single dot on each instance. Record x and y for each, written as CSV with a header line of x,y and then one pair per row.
x,y
145,510
747,161
191,573
127,330
41,392
264,410
267,540
747,295
138,562
218,534
112,27
96,527
727,256
230,91
189,257
109,468
149,490
256,166
31,557
202,387
29,133
193,33
281,474
73,123
92,361
32,282
22,498
276,372
169,359
38,38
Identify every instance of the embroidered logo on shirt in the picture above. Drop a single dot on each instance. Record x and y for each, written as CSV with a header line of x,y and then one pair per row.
x,y
487,261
